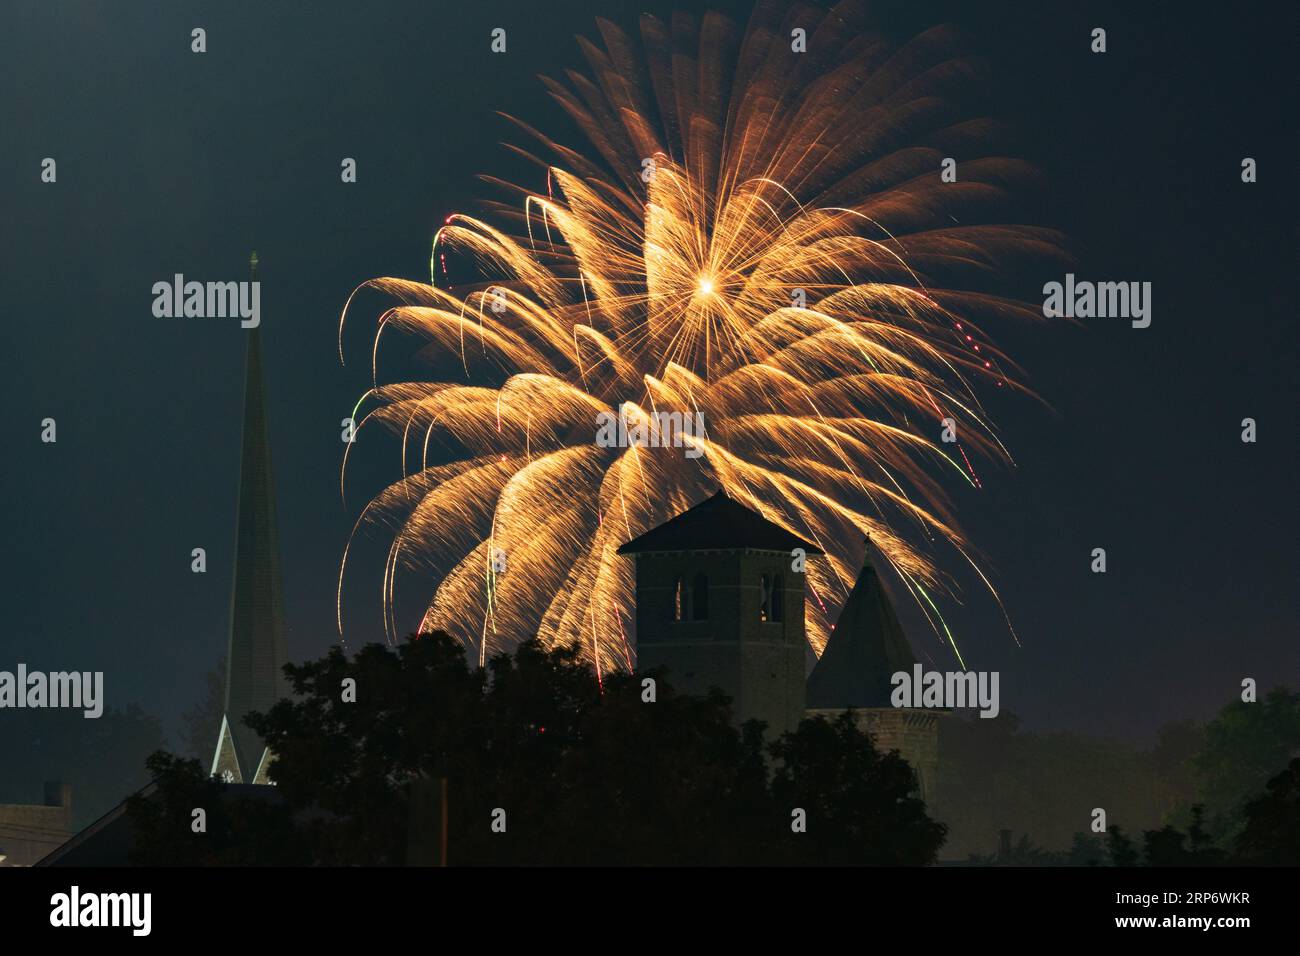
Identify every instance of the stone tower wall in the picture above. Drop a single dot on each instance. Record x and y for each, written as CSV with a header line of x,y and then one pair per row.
x,y
759,664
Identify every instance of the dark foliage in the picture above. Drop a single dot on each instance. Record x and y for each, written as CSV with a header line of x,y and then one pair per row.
x,y
232,830
587,772
1272,833
1170,847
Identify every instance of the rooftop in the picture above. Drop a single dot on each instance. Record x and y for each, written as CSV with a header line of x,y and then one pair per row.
x,y
865,650
719,523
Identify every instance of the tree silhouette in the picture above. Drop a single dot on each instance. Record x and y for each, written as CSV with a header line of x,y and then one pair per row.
x,y
574,770
1170,847
1244,746
1121,848
1272,833
860,804
169,831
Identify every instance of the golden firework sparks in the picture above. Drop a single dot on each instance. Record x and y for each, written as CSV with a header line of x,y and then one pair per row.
x,y
760,243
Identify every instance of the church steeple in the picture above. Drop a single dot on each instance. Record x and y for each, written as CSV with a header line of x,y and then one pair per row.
x,y
866,648
256,654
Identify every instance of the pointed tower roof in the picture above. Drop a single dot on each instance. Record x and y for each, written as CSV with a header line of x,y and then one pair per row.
x,y
718,524
866,648
256,652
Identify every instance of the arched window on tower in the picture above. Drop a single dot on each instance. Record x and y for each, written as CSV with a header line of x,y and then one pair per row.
x,y
778,598
679,599
765,598
700,598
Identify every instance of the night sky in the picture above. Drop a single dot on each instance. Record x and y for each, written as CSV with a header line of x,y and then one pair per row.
x,y
172,162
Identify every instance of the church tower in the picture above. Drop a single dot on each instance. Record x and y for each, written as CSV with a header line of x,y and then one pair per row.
x,y
256,653
865,650
718,605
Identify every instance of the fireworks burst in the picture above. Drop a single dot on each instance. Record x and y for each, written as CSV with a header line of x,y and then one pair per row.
x,y
763,239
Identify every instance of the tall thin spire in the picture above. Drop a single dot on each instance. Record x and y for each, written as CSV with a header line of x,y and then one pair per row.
x,y
256,654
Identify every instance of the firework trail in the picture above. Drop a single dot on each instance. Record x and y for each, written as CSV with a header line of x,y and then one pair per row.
x,y
757,236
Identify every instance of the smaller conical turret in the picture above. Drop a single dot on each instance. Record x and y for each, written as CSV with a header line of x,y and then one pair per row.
x,y
865,650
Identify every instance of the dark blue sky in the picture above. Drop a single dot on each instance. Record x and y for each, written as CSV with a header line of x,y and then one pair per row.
x,y
174,162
